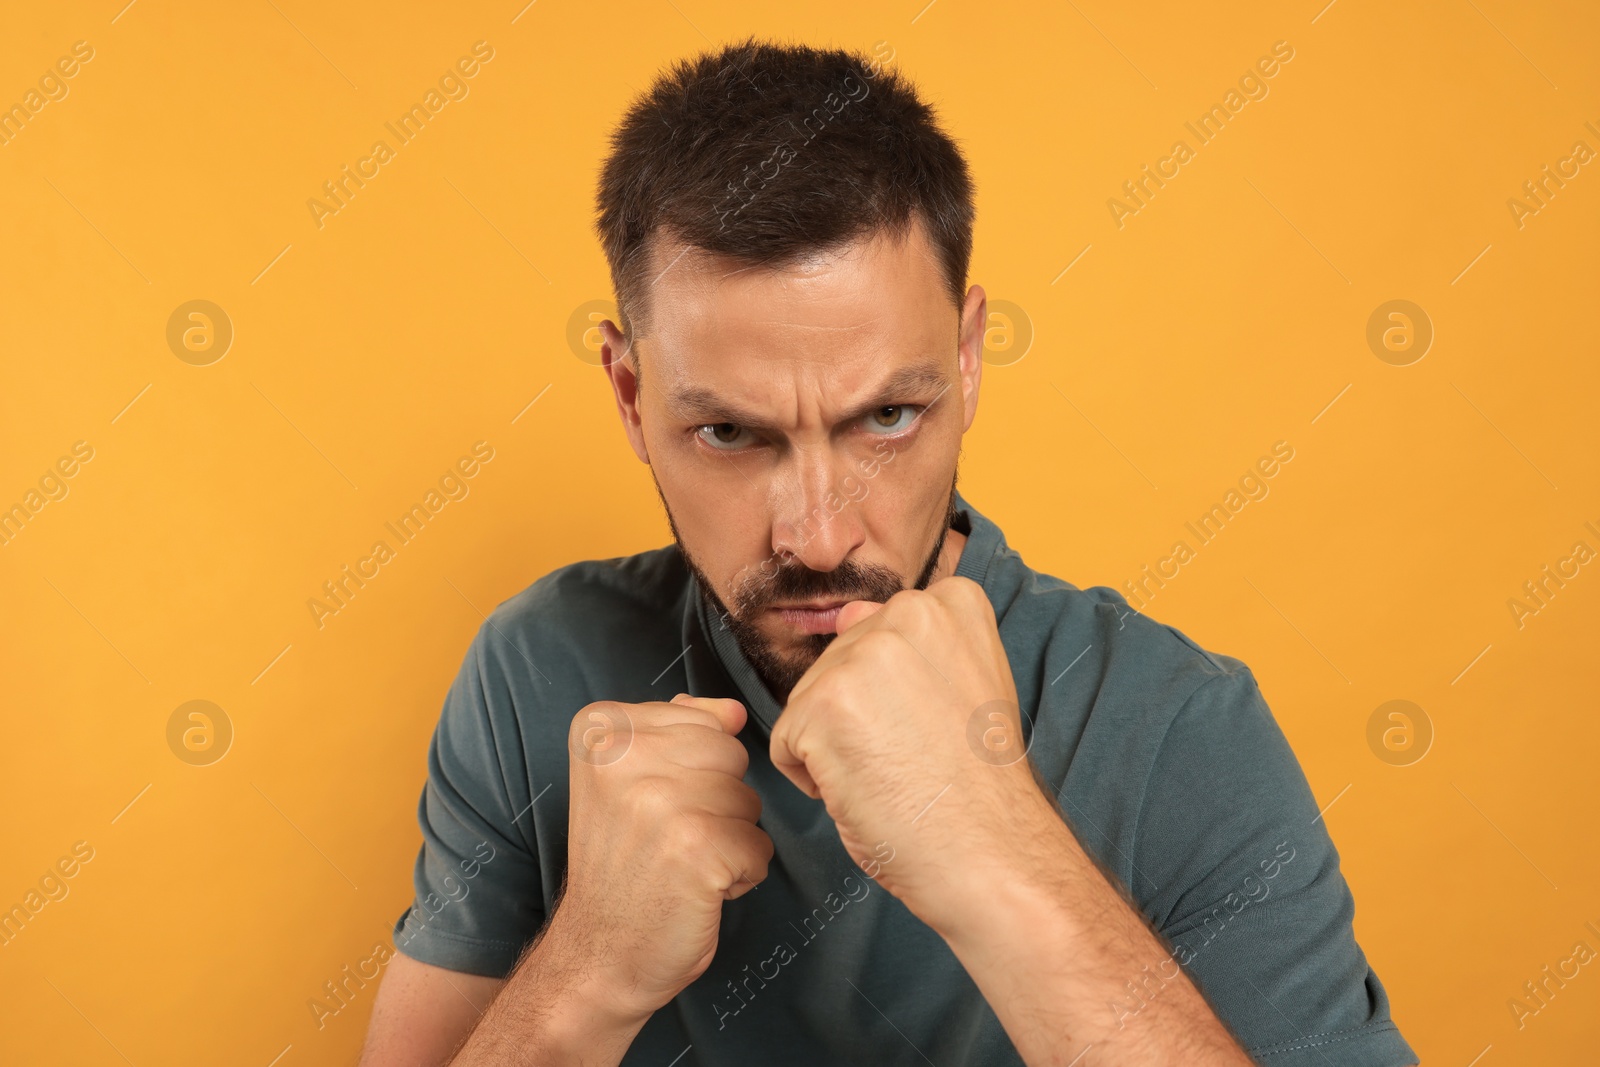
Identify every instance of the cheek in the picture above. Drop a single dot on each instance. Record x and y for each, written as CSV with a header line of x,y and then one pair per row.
x,y
914,476
908,504
724,530
896,536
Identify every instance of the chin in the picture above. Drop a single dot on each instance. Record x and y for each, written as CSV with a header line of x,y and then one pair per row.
x,y
782,663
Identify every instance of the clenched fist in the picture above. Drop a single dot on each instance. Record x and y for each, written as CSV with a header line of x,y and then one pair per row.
x,y
907,727
661,831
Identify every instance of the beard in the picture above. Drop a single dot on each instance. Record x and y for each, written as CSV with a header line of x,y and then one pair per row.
x,y
850,580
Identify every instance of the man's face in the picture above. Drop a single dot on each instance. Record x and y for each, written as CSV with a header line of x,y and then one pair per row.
x,y
803,427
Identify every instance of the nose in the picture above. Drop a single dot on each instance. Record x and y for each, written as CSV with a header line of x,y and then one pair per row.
x,y
812,518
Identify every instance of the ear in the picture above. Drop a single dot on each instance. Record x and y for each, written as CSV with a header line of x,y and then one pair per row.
x,y
618,361
974,324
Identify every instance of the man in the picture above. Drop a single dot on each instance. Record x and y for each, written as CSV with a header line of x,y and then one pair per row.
x,y
838,778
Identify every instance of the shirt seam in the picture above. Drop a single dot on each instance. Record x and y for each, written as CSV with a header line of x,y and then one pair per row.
x,y
1144,789
479,942
504,786
1333,1037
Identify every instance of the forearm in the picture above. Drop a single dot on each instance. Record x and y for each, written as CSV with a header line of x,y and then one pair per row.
x,y
550,1013
1066,963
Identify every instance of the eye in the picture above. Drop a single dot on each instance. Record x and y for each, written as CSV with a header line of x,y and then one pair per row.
x,y
726,436
891,418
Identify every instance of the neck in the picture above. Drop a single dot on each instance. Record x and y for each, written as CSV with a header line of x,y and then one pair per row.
x,y
949,555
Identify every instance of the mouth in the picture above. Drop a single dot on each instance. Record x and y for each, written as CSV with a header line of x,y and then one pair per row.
x,y
816,617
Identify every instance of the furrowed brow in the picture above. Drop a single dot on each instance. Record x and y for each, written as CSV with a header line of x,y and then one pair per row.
x,y
905,385
701,406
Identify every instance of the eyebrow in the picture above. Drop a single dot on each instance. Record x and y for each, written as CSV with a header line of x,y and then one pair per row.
x,y
701,406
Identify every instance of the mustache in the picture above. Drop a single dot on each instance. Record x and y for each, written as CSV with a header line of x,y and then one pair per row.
x,y
850,580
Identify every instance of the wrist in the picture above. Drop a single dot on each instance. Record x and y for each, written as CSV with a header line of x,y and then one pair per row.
x,y
1011,882
604,984
580,1018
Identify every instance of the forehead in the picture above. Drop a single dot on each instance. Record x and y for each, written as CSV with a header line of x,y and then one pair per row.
x,y
833,322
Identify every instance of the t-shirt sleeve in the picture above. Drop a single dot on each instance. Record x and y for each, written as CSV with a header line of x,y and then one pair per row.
x,y
477,888
1248,890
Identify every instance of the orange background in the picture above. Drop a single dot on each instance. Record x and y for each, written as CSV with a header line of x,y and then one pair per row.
x,y
369,354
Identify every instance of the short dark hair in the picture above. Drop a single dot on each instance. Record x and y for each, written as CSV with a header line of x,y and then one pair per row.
x,y
768,152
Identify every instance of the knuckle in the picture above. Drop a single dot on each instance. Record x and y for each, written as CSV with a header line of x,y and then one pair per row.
x,y
963,594
732,746
819,686
906,601
973,594
752,799
761,852
652,804
963,587
827,691
580,718
599,710
878,644
684,837
600,733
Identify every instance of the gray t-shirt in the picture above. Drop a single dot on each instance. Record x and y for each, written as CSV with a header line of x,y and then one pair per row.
x,y
1166,763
